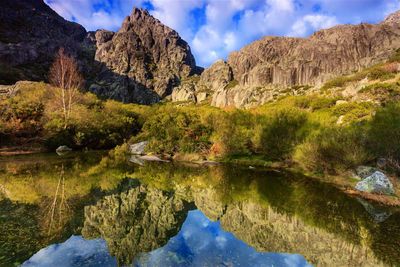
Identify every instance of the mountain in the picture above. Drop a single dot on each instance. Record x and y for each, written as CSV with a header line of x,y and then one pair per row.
x,y
260,71
30,34
143,61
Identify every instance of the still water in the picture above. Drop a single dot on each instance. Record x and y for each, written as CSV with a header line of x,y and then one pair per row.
x,y
82,210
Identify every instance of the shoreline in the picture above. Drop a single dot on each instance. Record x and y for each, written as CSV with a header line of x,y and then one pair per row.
x,y
336,181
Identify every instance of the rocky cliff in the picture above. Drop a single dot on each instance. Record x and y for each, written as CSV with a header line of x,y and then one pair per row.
x,y
30,34
266,68
143,61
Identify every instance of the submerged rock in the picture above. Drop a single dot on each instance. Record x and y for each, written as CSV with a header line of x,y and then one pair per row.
x,y
377,183
138,148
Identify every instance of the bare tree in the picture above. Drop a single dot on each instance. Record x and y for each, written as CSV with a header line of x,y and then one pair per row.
x,y
65,76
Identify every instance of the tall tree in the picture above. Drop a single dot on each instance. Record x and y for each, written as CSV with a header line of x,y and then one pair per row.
x,y
65,76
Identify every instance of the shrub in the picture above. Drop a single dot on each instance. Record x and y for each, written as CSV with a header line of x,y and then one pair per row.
x,y
277,134
231,84
395,57
353,111
321,102
333,149
172,130
232,133
101,126
383,92
380,73
336,82
384,132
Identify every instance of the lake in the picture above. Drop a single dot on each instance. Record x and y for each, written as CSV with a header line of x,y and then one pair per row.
x,y
80,210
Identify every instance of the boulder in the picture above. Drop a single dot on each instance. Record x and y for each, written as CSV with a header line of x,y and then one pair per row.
x,y
63,149
365,171
377,183
185,92
138,148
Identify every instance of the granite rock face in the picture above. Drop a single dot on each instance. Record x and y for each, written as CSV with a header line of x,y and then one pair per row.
x,y
217,77
143,61
272,66
30,34
377,183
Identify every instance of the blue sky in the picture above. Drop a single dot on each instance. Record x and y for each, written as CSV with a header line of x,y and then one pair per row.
x,y
213,28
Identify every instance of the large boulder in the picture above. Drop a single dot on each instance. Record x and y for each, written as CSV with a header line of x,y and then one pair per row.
x,y
377,183
138,148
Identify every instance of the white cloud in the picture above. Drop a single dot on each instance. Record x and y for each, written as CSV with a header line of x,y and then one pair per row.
x,y
176,14
310,23
95,14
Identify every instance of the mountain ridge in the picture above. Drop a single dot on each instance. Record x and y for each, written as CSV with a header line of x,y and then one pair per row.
x,y
264,68
146,61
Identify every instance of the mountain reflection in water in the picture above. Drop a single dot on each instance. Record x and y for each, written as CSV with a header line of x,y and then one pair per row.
x,y
118,214
200,242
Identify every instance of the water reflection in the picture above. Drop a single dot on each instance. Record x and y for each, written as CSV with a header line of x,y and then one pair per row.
x,y
200,242
138,213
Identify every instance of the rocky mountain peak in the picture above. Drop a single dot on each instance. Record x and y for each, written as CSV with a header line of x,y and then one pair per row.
x,y
393,19
142,61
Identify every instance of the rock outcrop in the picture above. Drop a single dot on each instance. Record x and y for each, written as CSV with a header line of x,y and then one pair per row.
x,y
143,61
30,34
274,66
377,183
138,148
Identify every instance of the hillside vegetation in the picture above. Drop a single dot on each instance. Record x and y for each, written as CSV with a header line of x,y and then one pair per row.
x,y
345,124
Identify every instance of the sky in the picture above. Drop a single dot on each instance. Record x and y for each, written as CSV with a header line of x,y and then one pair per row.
x,y
214,28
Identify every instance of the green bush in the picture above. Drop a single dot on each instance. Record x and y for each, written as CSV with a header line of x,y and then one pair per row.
x,y
380,73
278,133
395,57
231,84
101,126
334,149
384,132
353,111
321,103
232,133
172,131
